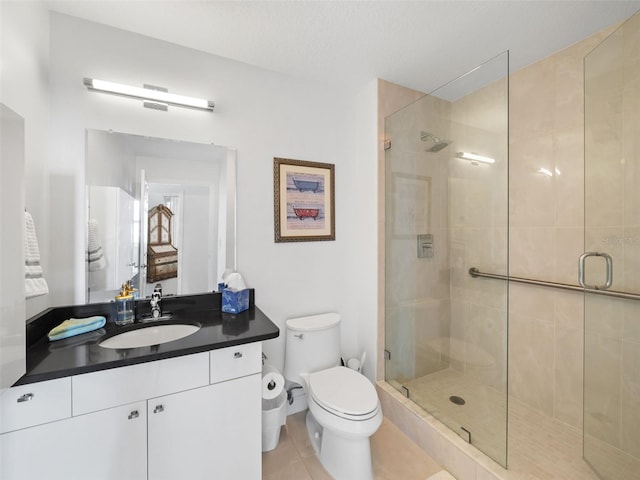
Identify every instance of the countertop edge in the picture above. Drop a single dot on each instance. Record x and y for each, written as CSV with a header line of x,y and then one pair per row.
x,y
27,378
43,364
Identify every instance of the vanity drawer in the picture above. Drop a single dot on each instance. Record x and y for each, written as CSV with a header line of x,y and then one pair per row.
x,y
118,386
34,404
234,362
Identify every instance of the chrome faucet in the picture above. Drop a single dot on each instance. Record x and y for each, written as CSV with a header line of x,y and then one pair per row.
x,y
156,297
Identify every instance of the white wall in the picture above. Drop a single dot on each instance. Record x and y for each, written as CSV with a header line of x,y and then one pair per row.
x,y
264,115
366,264
112,162
24,60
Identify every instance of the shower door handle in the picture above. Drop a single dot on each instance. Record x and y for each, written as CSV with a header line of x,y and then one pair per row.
x,y
609,271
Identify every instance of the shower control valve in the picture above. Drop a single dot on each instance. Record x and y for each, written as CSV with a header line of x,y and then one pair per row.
x,y
425,246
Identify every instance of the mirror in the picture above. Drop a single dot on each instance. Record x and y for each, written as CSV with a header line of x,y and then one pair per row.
x,y
158,211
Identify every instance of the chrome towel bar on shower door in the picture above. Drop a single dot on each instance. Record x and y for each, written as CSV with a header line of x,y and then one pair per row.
x,y
581,262
474,272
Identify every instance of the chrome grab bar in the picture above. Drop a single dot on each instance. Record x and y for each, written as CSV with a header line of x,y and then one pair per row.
x,y
609,277
474,272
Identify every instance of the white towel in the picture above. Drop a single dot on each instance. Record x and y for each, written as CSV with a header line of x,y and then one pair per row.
x,y
34,282
95,257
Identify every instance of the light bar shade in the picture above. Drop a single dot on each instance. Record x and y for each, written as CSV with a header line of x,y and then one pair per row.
x,y
474,157
148,94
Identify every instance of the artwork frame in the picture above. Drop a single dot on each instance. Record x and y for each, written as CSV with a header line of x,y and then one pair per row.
x,y
304,200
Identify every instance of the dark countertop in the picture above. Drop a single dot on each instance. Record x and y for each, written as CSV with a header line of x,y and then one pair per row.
x,y
82,354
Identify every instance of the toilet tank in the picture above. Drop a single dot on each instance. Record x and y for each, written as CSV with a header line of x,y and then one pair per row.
x,y
312,344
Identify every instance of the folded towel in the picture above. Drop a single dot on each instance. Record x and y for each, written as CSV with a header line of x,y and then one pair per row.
x,y
34,282
72,342
95,257
76,326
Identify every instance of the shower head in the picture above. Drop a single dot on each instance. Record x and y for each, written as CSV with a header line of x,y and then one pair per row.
x,y
437,143
438,146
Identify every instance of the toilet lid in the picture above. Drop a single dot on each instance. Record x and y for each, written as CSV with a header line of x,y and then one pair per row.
x,y
343,391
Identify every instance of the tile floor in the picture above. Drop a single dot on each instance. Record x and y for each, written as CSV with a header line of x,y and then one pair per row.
x,y
395,456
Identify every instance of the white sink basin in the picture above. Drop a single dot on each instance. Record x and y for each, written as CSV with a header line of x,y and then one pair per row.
x,y
151,335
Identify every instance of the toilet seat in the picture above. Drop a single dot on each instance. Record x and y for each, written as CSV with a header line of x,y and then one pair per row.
x,y
344,393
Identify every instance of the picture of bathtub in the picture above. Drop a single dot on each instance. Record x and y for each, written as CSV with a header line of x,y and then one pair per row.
x,y
303,213
308,185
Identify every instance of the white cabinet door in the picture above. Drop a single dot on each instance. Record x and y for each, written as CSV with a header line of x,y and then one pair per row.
x,y
34,404
105,445
207,433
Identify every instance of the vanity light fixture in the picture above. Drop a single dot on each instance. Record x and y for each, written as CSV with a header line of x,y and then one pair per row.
x,y
156,97
474,157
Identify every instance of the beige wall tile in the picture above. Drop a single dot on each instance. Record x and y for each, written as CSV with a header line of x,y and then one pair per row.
x,y
569,311
532,99
531,194
630,421
569,247
602,405
532,252
630,323
532,362
569,179
568,376
532,301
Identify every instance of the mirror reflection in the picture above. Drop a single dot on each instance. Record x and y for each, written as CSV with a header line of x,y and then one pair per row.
x,y
158,211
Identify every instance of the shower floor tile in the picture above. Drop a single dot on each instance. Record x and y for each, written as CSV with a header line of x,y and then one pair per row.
x,y
539,447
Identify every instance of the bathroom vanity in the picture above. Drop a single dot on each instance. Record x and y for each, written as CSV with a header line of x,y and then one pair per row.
x,y
188,408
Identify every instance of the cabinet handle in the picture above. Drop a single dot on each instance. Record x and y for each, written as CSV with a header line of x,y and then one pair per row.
x,y
237,355
25,398
134,414
158,409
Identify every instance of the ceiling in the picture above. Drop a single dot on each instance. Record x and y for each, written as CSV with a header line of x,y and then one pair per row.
x,y
418,44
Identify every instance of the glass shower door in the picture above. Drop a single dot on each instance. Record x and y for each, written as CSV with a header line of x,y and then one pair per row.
x,y
612,227
446,212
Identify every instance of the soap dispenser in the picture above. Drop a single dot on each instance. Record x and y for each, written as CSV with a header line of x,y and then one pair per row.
x,y
124,305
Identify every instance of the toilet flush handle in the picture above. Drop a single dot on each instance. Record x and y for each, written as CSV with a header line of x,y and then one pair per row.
x,y
299,335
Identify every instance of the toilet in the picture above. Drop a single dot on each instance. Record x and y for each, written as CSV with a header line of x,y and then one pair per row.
x,y
344,410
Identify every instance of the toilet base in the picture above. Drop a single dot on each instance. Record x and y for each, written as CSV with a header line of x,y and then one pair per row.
x,y
343,458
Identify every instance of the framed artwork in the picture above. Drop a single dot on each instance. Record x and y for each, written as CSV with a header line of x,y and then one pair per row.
x,y
304,200
411,205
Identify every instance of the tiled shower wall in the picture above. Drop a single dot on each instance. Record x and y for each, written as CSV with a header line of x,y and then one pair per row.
x,y
546,227
612,175
417,289
546,217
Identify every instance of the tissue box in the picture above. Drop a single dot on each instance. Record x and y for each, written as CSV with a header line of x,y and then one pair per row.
x,y
235,301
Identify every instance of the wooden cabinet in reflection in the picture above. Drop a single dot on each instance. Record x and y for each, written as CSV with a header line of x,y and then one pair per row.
x,y
162,256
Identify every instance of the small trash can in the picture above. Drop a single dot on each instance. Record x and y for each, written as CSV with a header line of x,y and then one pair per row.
x,y
274,416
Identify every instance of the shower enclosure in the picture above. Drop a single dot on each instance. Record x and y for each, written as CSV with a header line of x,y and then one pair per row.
x,y
447,228
612,227
446,175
